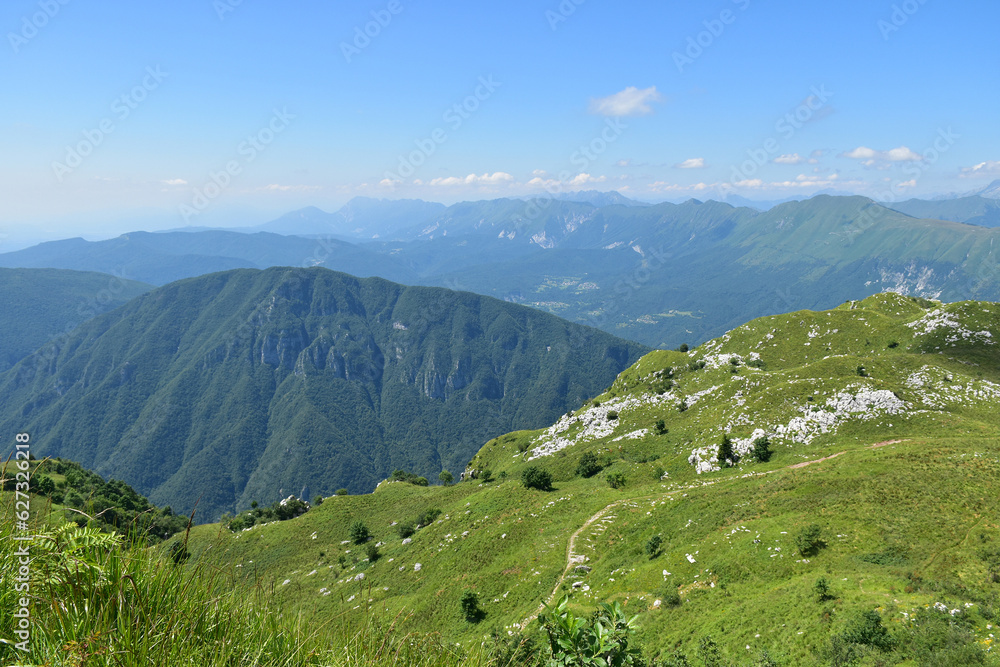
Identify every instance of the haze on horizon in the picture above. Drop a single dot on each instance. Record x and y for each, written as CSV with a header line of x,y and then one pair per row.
x,y
222,113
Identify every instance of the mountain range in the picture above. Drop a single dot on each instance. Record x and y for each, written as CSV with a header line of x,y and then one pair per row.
x,y
250,385
652,273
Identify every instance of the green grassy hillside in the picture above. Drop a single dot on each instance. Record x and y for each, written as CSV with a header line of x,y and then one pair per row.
x,y
252,385
881,417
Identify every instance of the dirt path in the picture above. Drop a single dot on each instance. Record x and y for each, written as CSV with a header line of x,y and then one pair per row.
x,y
809,463
574,559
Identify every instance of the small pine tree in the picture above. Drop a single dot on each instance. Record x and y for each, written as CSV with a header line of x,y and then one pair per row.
x,y
661,427
762,449
726,456
822,590
470,607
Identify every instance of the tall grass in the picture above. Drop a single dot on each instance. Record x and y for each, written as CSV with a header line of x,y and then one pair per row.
x,y
97,600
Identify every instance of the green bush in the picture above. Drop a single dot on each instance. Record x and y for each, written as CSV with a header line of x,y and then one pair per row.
x,y
866,629
660,427
762,449
427,517
821,589
671,597
588,465
372,552
470,607
486,476
358,532
534,477
406,529
808,540
605,638
616,480
653,546
446,478
341,492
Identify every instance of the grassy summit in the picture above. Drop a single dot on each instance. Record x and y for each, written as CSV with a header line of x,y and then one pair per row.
x,y
881,417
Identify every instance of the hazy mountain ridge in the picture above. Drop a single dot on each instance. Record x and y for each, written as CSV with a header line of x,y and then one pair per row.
x,y
649,273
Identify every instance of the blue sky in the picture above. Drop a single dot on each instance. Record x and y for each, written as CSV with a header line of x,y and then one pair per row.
x,y
127,115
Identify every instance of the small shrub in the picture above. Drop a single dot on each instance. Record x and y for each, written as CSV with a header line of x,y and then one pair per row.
x,y
616,480
470,607
866,629
588,465
371,550
822,590
808,540
682,406
862,372
405,529
762,449
893,344
612,415
428,517
683,348
341,492
534,477
317,501
446,478
596,403
358,532
660,427
709,653
653,546
485,475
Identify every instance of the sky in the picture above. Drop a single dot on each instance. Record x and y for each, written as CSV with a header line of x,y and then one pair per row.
x,y
119,116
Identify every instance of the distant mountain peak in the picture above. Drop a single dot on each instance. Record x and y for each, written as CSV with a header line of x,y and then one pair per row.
x,y
991,191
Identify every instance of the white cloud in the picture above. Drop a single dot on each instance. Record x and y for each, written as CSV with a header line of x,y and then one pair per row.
x,y
989,168
585,179
624,164
629,102
274,187
472,179
861,153
541,180
175,181
692,163
902,154
870,157
791,158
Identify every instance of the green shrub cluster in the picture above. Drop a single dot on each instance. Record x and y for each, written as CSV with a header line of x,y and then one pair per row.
x,y
281,510
110,505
